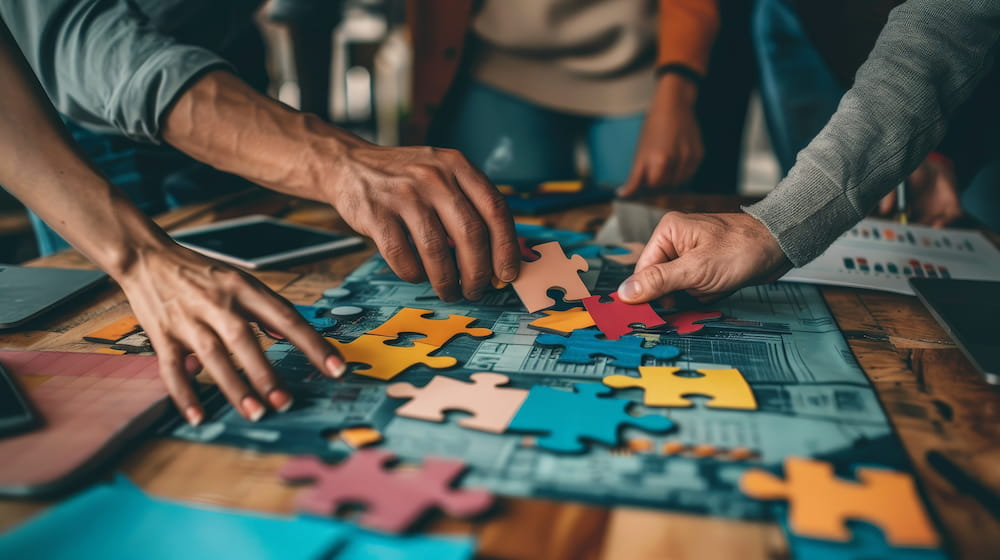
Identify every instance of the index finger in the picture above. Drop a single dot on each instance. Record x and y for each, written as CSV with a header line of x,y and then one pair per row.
x,y
492,206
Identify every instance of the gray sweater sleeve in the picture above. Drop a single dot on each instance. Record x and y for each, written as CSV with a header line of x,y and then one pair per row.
x,y
928,59
103,64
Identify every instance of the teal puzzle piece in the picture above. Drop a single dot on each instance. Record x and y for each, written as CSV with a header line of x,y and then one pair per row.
x,y
565,418
582,345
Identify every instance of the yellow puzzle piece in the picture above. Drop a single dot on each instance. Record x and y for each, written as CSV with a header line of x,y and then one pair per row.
x,y
820,504
386,362
437,332
726,387
563,322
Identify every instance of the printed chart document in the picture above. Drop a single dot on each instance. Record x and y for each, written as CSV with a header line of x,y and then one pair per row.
x,y
883,255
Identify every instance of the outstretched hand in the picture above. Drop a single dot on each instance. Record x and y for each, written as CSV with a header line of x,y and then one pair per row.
x,y
706,255
189,303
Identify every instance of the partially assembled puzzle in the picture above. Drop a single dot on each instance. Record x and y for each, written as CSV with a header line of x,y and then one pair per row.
x,y
553,388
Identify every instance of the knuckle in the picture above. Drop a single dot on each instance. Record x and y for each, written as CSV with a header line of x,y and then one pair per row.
x,y
435,245
495,205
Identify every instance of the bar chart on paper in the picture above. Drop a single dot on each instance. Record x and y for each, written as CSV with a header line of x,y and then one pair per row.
x,y
882,255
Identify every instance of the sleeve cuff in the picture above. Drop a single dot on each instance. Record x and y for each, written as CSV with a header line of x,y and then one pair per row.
x,y
141,104
806,213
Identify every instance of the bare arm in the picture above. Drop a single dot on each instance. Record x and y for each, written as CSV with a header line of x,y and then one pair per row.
x,y
184,301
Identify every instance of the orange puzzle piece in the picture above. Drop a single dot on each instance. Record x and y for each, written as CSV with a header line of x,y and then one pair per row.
x,y
437,332
551,270
385,362
727,388
820,503
492,406
563,322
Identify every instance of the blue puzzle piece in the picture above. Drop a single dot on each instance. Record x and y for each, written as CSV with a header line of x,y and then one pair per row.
x,y
318,317
581,346
565,418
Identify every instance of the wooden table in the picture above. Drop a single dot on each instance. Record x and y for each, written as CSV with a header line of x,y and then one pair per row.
x,y
934,397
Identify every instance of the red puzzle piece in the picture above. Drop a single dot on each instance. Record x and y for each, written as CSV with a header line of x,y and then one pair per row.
x,y
687,322
393,500
615,318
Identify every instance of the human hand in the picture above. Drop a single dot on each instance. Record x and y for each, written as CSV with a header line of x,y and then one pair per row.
x,y
427,196
933,191
706,255
670,147
189,303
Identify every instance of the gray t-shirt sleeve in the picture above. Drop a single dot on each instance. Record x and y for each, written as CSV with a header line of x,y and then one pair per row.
x,y
928,59
103,64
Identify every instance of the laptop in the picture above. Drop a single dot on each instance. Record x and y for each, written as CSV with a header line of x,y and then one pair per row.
x,y
969,311
27,292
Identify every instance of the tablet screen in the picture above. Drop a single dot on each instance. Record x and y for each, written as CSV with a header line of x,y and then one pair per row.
x,y
256,240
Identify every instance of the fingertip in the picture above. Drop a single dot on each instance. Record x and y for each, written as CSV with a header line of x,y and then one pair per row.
x,y
335,366
630,290
194,415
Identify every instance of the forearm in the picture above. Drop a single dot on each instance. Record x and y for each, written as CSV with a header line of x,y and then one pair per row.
x,y
927,61
222,121
43,168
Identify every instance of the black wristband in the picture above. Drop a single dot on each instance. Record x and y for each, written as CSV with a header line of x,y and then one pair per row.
x,y
681,70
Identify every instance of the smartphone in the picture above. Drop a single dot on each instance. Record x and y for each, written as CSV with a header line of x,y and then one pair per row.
x,y
258,241
16,414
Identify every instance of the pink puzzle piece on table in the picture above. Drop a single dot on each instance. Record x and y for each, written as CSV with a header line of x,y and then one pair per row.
x,y
687,322
615,319
492,406
551,270
392,499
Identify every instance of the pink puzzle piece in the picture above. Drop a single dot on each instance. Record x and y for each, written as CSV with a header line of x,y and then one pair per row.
x,y
552,270
492,406
393,500
615,318
687,322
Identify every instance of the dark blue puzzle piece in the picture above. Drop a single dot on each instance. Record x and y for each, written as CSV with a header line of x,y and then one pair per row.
x,y
318,317
582,345
564,418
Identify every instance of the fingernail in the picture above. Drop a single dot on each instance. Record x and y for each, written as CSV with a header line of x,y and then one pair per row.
x,y
194,415
254,410
335,367
474,296
630,288
280,400
509,274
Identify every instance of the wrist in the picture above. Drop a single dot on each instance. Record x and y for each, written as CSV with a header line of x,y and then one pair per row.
x,y
676,90
129,243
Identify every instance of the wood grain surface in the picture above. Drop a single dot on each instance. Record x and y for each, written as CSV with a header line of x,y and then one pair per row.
x,y
933,396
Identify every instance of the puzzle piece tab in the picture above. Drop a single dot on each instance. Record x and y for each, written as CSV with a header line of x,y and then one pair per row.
x,y
687,322
727,388
615,318
393,500
492,406
437,332
551,270
564,418
563,322
820,504
581,346
385,362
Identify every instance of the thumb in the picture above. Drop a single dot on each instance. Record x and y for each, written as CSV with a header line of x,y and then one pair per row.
x,y
887,204
634,182
656,281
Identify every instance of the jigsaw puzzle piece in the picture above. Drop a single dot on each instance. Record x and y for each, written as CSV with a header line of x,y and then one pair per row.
x,y
393,500
630,257
563,322
437,332
564,418
551,270
615,318
581,346
384,361
687,322
492,406
727,388
820,504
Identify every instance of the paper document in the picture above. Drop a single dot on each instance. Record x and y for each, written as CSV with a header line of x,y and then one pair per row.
x,y
884,255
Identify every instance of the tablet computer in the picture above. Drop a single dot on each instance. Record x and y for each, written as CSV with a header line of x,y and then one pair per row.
x,y
29,291
968,311
259,241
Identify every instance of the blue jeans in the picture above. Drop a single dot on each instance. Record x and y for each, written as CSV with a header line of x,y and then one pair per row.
x,y
515,141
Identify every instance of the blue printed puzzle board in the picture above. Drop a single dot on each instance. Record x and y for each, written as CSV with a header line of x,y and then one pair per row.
x,y
814,400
